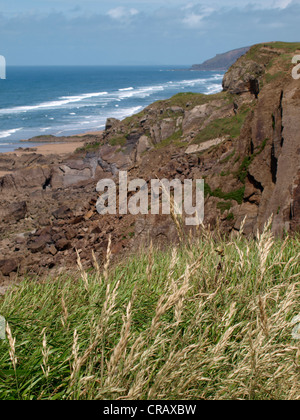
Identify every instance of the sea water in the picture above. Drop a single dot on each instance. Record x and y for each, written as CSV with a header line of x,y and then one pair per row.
x,y
63,101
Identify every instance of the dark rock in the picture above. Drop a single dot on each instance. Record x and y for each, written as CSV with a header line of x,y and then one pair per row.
x,y
111,123
63,244
8,266
39,243
14,212
63,212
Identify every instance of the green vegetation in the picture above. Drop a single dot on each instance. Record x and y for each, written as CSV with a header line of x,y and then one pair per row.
x,y
225,173
210,320
224,205
193,99
228,158
286,46
241,174
228,126
243,169
236,195
175,139
118,141
230,217
181,100
270,77
89,147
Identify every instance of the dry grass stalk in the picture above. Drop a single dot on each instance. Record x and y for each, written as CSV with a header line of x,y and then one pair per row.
x,y
263,315
177,219
167,302
12,347
180,302
75,350
149,269
96,266
84,275
265,242
107,260
120,349
45,352
241,231
171,284
65,315
241,255
109,304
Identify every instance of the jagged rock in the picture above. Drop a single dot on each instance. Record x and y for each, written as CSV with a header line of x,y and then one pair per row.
x,y
8,266
144,144
195,116
13,212
250,211
250,166
39,243
52,250
62,244
63,212
243,77
196,148
111,123
163,130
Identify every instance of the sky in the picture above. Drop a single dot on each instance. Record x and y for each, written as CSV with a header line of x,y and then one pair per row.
x,y
138,32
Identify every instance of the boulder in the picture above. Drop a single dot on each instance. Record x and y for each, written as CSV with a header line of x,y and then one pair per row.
x,y
8,266
63,212
13,212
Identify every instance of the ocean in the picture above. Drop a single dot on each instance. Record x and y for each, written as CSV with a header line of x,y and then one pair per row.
x,y
63,101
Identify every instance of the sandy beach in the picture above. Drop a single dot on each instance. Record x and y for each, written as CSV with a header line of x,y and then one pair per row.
x,y
59,149
53,148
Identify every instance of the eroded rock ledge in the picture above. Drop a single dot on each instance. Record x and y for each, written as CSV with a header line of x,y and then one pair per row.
x,y
244,141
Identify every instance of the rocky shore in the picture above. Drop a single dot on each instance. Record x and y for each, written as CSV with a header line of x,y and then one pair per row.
x,y
244,141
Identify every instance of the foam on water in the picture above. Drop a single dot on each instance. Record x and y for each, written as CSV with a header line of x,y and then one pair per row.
x,y
64,110
8,133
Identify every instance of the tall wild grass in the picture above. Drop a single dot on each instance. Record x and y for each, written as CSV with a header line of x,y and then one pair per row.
x,y
212,319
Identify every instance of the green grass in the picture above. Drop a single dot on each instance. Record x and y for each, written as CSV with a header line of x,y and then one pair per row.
x,y
228,126
211,321
118,141
270,77
286,46
236,195
174,139
180,100
194,99
89,147
228,158
230,217
224,205
242,172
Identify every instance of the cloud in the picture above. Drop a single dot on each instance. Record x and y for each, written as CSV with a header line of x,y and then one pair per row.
x,y
282,4
195,15
122,13
131,35
193,20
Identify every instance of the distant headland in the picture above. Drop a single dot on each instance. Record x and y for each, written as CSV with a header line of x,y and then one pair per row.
x,y
221,62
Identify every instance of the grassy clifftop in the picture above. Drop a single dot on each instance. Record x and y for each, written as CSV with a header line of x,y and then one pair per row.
x,y
211,319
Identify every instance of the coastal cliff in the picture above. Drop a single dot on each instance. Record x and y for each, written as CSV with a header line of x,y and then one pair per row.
x,y
221,62
244,142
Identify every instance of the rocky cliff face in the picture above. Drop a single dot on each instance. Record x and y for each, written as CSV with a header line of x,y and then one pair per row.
x,y
244,141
